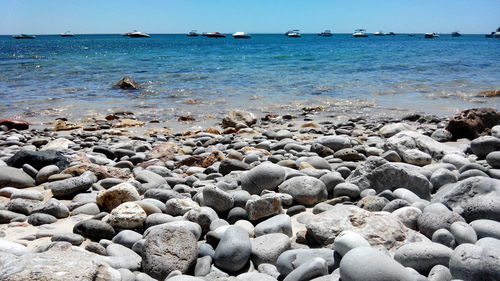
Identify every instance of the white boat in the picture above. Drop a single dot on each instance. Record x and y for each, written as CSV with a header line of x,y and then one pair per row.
x,y
378,33
136,33
241,35
360,33
431,35
67,34
497,33
293,33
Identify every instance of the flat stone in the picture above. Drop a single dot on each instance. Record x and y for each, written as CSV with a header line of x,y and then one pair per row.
x,y
423,256
13,177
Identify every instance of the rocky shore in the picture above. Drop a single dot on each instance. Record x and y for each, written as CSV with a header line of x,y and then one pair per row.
x,y
271,198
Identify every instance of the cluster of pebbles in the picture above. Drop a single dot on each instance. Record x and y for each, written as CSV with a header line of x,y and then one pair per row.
x,y
270,199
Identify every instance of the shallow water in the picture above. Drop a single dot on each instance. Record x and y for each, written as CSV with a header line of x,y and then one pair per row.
x,y
54,76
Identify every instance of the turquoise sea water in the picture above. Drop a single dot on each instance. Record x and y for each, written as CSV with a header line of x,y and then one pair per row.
x,y
180,74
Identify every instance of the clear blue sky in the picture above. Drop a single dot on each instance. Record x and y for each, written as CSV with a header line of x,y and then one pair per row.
x,y
256,16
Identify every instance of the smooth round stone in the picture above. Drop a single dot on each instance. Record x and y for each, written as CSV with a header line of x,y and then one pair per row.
x,y
486,228
246,225
45,173
267,248
294,210
395,204
442,135
307,271
348,240
39,219
346,189
27,194
233,250
255,276
205,249
463,233
471,262
373,203
217,199
471,173
277,224
305,190
331,180
74,239
236,214
94,230
493,159
291,259
441,177
422,256
86,209
429,222
440,273
126,275
218,223
408,216
315,161
127,238
444,236
456,160
482,146
416,157
366,263
344,171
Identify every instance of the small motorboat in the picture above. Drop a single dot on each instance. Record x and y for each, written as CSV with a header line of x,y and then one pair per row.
x,y
293,33
214,35
136,34
67,34
360,33
23,36
326,33
391,33
241,35
455,34
193,33
411,34
497,33
431,35
378,33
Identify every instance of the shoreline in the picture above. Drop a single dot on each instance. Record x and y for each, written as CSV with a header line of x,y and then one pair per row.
x,y
319,193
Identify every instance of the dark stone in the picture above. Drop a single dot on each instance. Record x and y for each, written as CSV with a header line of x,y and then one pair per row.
x,y
321,150
127,83
94,230
38,159
15,124
471,123
229,165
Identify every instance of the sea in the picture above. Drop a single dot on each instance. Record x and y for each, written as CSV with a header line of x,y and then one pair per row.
x,y
51,76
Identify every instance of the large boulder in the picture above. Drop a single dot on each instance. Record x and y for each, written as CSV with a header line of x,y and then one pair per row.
x,y
62,262
13,177
473,198
472,123
379,174
408,140
382,230
167,249
38,159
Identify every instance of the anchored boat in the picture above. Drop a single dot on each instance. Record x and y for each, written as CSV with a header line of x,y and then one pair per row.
x,y
23,36
241,35
360,33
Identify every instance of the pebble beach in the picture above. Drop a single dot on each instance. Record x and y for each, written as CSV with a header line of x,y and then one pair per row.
x,y
252,196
